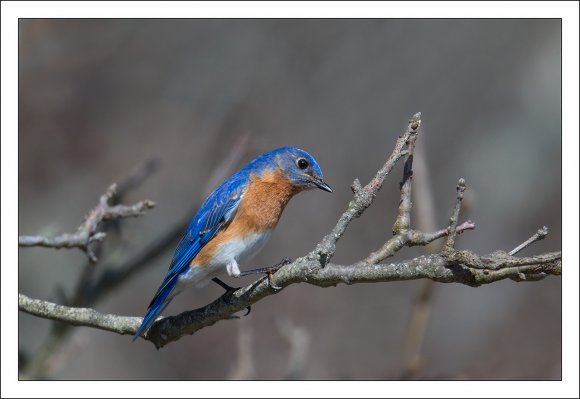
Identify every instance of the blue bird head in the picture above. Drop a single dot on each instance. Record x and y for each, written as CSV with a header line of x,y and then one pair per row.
x,y
299,167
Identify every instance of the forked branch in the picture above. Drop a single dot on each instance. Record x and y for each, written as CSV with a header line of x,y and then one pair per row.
x,y
449,266
87,232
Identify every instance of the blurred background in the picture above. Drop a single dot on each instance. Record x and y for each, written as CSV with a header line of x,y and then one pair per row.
x,y
98,98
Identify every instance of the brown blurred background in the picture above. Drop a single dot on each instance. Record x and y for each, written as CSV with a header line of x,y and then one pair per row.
x,y
97,97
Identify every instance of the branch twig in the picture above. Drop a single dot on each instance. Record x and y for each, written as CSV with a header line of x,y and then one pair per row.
x,y
540,235
364,196
87,232
402,232
77,316
453,220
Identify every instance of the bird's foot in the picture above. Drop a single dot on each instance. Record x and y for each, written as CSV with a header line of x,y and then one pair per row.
x,y
230,289
269,271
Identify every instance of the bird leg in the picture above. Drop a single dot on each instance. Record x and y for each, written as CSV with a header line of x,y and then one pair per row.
x,y
268,271
225,286
230,289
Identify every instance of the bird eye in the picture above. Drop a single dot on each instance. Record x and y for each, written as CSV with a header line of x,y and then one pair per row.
x,y
302,163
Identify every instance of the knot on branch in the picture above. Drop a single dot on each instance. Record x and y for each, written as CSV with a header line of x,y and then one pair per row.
x,y
461,187
356,186
109,194
415,121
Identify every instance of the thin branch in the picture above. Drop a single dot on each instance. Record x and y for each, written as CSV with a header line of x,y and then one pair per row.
x,y
78,316
453,220
403,220
364,196
87,231
402,232
426,238
540,235
438,267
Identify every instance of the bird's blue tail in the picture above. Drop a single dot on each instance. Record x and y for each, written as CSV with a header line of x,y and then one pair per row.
x,y
159,302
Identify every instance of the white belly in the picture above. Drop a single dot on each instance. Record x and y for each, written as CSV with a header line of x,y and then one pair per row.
x,y
232,252
240,250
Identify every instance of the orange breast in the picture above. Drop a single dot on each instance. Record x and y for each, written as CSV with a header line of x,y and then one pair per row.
x,y
264,200
260,209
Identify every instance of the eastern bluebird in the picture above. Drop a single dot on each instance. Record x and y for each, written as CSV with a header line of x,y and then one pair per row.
x,y
235,222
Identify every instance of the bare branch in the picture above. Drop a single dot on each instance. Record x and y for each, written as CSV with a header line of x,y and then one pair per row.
x,y
450,265
425,238
402,232
453,220
540,235
364,196
403,221
438,267
78,316
87,231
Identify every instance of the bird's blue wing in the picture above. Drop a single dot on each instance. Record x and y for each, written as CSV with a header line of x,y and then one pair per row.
x,y
211,218
215,213
208,221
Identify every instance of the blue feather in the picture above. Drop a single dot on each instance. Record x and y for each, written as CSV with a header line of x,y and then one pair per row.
x,y
157,306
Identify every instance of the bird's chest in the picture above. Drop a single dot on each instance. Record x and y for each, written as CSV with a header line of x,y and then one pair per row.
x,y
263,202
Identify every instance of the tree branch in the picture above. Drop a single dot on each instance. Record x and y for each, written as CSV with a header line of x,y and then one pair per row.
x,y
402,232
87,232
449,266
78,316
436,267
364,196
540,235
453,220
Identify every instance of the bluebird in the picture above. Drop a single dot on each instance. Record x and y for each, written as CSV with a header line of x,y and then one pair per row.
x,y
234,222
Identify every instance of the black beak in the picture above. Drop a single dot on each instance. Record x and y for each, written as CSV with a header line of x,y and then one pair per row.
x,y
322,185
